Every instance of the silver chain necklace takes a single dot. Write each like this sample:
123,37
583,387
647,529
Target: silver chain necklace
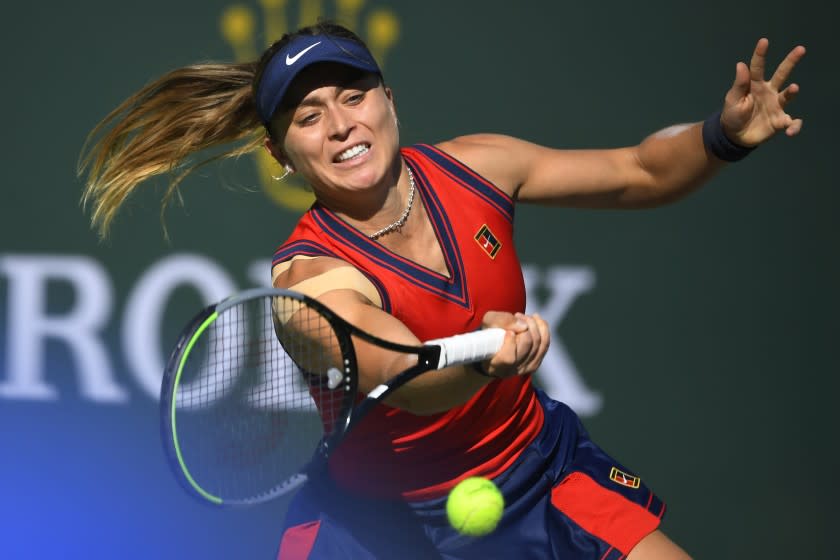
401,220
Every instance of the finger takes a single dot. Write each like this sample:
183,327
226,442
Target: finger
523,341
782,122
534,348
503,320
545,339
741,84
788,94
539,335
794,127
758,59
502,364
542,326
782,73
524,346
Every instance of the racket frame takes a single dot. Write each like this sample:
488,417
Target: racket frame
350,412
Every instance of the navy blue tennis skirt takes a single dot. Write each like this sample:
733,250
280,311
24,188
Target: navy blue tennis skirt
564,498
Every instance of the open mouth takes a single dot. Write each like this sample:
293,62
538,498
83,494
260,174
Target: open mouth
352,152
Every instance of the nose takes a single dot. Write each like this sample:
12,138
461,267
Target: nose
340,124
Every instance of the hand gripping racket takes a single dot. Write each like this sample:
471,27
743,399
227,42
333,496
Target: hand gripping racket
261,387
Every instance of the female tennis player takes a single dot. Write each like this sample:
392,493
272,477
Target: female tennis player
415,243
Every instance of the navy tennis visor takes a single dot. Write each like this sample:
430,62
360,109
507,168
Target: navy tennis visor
300,53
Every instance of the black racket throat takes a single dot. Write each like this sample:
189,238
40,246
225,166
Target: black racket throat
428,357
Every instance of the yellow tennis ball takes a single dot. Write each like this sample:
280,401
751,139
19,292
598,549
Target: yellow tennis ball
474,507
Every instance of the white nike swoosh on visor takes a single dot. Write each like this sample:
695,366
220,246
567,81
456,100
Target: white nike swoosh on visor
292,59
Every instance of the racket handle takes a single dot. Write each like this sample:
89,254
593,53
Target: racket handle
467,348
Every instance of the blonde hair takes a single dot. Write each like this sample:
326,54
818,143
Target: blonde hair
159,128
156,130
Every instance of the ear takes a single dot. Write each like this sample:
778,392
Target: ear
278,154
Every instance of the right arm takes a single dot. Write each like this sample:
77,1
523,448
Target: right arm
522,351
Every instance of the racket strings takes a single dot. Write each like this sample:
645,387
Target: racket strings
312,344
247,417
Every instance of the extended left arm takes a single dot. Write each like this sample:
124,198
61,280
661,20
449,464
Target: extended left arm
665,166
753,112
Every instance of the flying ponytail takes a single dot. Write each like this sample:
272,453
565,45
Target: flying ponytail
159,128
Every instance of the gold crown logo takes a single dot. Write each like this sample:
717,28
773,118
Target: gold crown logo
239,28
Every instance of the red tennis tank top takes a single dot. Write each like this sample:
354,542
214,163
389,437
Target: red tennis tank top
395,454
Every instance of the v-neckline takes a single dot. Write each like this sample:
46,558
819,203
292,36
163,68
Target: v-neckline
452,287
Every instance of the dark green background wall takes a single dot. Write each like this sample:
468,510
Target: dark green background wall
708,332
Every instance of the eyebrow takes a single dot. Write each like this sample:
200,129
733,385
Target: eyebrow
310,102
316,101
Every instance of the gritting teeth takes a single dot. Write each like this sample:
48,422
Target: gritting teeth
352,152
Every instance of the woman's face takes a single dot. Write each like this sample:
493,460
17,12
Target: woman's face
341,131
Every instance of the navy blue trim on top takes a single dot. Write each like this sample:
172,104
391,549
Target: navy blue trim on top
309,248
452,288
301,247
443,230
469,179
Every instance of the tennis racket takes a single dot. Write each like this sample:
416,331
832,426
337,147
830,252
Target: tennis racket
262,387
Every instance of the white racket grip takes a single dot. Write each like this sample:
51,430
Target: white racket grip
467,348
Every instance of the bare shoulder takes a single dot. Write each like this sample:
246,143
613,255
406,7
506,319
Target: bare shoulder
318,277
477,150
287,274
502,160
